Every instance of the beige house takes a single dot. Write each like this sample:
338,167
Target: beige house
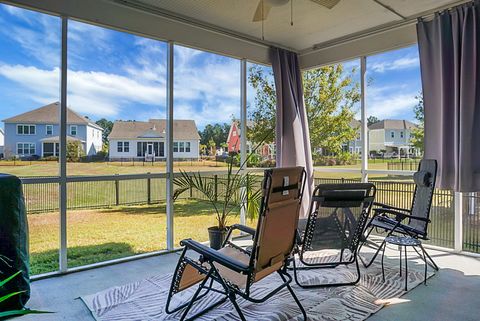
147,140
392,136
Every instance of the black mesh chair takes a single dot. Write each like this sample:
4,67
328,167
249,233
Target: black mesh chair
336,222
411,222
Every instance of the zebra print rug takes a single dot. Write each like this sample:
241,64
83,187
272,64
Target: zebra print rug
145,300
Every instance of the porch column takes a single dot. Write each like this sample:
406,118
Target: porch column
169,152
364,128
243,134
63,150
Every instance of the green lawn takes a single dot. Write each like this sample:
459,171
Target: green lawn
105,234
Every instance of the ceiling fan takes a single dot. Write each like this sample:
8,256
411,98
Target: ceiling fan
264,7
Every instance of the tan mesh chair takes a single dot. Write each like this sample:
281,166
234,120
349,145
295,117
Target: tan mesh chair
232,270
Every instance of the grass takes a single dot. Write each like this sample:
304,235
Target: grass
105,234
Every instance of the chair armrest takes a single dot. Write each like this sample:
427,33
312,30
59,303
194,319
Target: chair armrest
399,216
243,228
212,255
391,207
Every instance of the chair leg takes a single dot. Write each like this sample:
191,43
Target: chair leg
383,256
400,260
406,269
302,309
374,256
233,299
194,297
432,262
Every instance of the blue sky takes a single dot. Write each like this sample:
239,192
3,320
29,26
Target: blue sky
121,76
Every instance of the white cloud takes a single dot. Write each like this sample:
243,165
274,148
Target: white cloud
390,102
397,64
90,93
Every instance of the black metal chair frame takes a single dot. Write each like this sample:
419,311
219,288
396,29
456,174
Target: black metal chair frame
210,256
394,225
350,242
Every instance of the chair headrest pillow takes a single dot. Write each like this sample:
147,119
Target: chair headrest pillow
422,178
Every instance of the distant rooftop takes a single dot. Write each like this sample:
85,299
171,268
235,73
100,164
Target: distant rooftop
154,128
392,124
49,114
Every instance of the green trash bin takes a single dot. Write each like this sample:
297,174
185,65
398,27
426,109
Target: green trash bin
13,242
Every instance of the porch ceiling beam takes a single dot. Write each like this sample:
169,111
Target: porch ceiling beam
122,16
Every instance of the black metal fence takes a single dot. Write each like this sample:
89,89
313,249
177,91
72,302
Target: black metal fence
405,165
97,193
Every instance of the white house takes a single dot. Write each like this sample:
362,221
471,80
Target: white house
355,146
147,140
36,133
392,136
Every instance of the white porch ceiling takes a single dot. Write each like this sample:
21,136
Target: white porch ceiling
351,29
313,24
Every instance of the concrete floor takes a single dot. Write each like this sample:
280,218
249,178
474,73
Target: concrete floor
453,294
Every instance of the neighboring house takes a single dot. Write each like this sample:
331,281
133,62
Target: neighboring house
392,136
267,151
147,140
36,133
2,142
355,146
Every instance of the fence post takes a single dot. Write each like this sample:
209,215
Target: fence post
117,192
458,225
191,192
149,189
215,181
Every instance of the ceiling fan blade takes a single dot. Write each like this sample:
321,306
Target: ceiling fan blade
262,14
327,3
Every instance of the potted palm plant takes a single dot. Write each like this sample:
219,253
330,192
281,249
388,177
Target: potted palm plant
224,194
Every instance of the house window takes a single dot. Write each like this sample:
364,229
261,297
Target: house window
181,148
26,149
392,134
187,147
26,129
49,129
123,147
73,130
401,134
175,147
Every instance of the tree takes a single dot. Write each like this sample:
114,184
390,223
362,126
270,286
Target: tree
217,132
107,126
372,120
417,135
74,151
330,96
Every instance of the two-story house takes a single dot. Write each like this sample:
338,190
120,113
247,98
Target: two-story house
146,140
355,146
391,136
36,133
2,142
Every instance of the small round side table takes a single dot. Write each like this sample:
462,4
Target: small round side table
404,241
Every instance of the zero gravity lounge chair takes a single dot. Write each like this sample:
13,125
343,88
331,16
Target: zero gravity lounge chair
411,222
337,218
232,271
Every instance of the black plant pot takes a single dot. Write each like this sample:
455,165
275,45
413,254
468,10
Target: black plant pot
217,237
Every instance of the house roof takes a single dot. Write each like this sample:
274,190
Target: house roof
392,124
154,128
49,114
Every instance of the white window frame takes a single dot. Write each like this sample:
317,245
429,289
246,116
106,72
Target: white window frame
175,147
71,130
119,147
181,147
29,126
188,147
29,149
392,134
47,127
402,135
126,147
